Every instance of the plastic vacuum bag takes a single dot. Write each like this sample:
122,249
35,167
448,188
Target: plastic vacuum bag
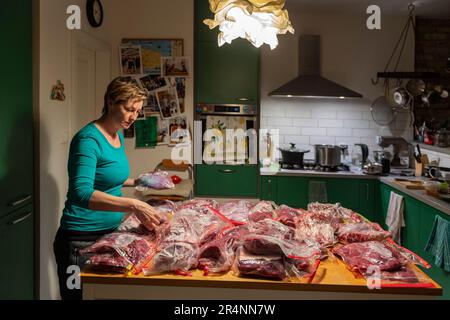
154,180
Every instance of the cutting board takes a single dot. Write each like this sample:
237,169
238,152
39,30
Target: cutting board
410,184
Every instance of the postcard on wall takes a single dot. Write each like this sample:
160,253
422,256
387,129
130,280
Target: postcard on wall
175,66
168,102
180,84
130,60
162,130
154,49
151,108
178,130
152,82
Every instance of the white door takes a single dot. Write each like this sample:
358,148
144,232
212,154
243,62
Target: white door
91,61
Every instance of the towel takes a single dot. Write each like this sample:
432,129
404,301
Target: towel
438,244
394,218
318,191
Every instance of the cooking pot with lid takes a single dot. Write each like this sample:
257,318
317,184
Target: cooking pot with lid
328,155
292,155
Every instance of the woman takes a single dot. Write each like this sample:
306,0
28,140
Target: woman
98,168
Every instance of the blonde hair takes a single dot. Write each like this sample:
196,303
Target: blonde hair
122,90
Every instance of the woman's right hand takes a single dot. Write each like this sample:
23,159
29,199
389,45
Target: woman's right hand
148,215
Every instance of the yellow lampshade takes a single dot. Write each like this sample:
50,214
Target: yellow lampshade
258,21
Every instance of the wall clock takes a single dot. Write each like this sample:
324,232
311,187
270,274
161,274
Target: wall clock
94,11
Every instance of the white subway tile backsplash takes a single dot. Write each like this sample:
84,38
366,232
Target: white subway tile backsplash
349,115
365,132
324,114
288,130
299,112
350,141
326,123
356,124
305,122
285,122
342,132
367,115
273,112
322,140
296,139
314,131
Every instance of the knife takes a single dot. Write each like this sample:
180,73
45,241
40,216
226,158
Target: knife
418,150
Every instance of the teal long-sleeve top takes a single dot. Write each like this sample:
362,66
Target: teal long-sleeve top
94,164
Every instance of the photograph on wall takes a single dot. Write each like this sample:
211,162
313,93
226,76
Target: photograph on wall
180,84
168,102
152,107
175,66
162,130
178,130
130,60
152,82
153,49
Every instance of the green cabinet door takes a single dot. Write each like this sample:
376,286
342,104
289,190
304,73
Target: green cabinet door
268,188
368,195
344,191
226,180
227,74
411,216
16,133
292,191
16,247
202,31
385,193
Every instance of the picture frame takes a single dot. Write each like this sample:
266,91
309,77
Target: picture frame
167,98
130,60
175,66
153,49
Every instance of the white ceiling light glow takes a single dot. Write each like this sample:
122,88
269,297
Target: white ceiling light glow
258,21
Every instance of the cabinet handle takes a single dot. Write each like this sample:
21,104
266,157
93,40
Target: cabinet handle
227,170
18,202
242,99
26,216
269,191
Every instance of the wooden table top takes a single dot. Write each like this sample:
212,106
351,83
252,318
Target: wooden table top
331,276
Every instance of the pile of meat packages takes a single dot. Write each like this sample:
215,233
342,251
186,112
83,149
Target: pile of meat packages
256,240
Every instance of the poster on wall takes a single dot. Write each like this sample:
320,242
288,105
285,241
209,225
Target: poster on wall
130,60
152,51
175,66
146,133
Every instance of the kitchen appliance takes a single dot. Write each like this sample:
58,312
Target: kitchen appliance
309,83
400,158
360,155
373,168
232,134
310,165
328,155
292,155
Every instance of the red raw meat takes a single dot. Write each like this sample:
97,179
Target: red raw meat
286,215
262,210
272,228
172,257
236,210
361,255
260,266
360,232
308,228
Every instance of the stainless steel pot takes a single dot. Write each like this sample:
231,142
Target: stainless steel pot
328,155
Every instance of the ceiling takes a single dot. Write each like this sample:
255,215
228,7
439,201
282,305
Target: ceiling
429,8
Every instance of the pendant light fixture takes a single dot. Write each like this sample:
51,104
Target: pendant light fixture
258,21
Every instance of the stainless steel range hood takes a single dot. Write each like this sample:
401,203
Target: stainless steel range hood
309,83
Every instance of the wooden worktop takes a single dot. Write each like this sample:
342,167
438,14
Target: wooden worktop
331,276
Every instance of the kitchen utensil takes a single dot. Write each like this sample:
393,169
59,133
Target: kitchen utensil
441,138
418,150
373,168
410,184
382,112
364,152
415,87
329,155
439,173
401,97
293,155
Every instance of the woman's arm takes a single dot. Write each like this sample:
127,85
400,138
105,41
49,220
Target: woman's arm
130,182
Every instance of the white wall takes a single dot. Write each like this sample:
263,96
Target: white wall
133,18
350,55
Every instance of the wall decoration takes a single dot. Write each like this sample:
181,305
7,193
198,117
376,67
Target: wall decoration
180,84
178,130
162,131
130,60
152,82
58,91
152,51
175,66
146,133
168,102
152,107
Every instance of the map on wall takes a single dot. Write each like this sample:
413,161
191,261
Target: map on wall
153,49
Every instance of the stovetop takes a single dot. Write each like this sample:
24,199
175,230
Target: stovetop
310,165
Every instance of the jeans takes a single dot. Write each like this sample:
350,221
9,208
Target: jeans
66,247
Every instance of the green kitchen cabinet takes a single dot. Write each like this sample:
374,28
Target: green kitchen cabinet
16,152
368,198
227,74
16,247
226,180
268,188
292,191
202,31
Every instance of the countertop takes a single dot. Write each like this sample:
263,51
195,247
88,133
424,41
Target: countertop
332,275
420,195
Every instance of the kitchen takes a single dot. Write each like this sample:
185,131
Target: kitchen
350,55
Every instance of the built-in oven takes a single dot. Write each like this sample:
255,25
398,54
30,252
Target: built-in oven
226,134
